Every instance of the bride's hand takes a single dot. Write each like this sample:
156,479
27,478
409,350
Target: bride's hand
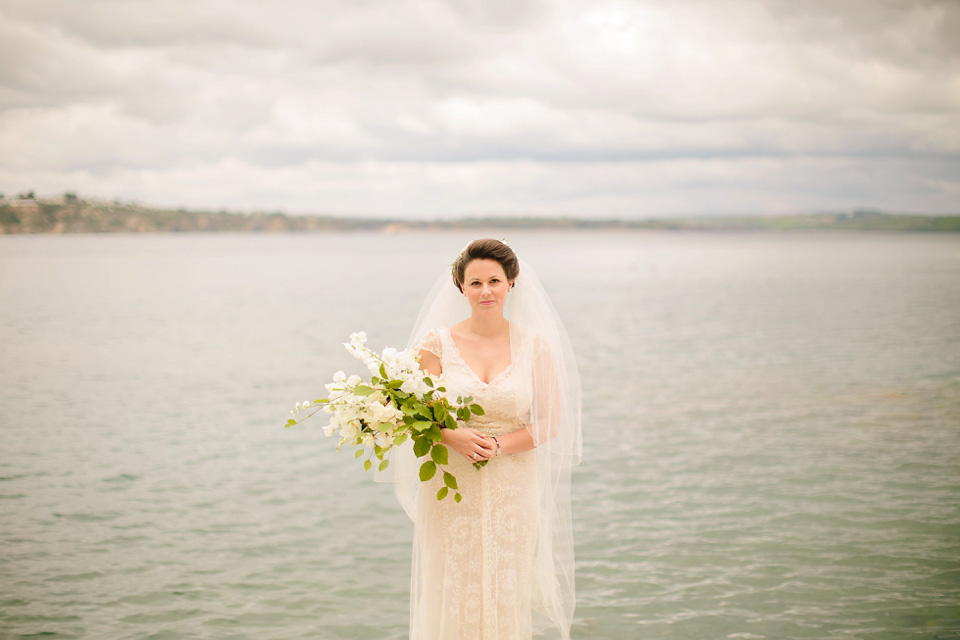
470,444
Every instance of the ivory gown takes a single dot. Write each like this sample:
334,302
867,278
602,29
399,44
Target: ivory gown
473,561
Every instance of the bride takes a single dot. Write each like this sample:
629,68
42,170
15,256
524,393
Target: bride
499,564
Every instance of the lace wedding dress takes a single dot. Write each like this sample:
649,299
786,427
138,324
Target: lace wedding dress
500,564
474,560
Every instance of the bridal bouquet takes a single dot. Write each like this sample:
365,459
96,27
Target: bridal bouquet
398,401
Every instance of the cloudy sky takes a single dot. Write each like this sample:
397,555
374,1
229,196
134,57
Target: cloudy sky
438,108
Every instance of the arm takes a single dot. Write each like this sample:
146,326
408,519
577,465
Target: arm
430,362
547,398
516,442
546,404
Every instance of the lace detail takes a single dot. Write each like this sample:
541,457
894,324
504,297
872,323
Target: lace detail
475,559
431,343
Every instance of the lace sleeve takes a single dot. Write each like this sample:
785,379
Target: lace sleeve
431,343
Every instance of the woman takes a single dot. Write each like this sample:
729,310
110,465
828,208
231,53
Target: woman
499,564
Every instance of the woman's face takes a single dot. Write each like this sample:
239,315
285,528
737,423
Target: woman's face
486,286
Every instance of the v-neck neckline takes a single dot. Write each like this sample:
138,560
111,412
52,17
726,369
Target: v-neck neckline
456,351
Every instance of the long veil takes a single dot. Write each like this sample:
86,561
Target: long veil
537,336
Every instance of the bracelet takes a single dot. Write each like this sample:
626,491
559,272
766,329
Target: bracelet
494,438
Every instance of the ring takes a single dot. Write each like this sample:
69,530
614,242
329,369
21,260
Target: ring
474,456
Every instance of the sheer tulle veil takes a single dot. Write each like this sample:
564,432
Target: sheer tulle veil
537,336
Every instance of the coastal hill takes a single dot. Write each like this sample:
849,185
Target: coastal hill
71,214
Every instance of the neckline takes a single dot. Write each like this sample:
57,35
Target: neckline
456,352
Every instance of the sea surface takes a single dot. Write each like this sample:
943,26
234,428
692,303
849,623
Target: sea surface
771,433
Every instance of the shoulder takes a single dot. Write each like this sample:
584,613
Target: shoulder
432,341
528,342
455,330
525,335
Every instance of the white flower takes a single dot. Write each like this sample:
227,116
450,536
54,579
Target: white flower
385,413
350,430
408,360
462,251
339,382
358,339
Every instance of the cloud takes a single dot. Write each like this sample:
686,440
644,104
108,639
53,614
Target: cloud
619,107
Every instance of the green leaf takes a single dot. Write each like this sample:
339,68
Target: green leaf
362,390
477,409
421,447
395,384
399,439
383,465
290,422
427,470
427,381
442,493
420,425
321,401
457,498
434,433
366,465
448,480
449,421
383,370
439,454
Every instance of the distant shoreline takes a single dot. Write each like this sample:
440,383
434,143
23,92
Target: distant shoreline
69,214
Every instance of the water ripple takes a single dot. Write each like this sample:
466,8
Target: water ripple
771,444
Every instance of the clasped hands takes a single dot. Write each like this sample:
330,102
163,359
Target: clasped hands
470,444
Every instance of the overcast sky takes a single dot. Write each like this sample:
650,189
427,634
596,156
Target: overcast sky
624,108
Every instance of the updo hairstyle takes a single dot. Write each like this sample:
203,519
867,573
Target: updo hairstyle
486,249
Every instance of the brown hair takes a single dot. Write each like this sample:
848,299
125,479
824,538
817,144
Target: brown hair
486,249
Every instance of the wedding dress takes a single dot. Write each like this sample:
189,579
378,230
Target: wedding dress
498,565
474,572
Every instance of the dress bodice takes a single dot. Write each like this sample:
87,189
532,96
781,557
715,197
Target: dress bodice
506,399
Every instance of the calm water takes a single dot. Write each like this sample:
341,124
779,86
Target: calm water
772,434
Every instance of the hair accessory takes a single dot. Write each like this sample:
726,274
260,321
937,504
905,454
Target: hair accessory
462,251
